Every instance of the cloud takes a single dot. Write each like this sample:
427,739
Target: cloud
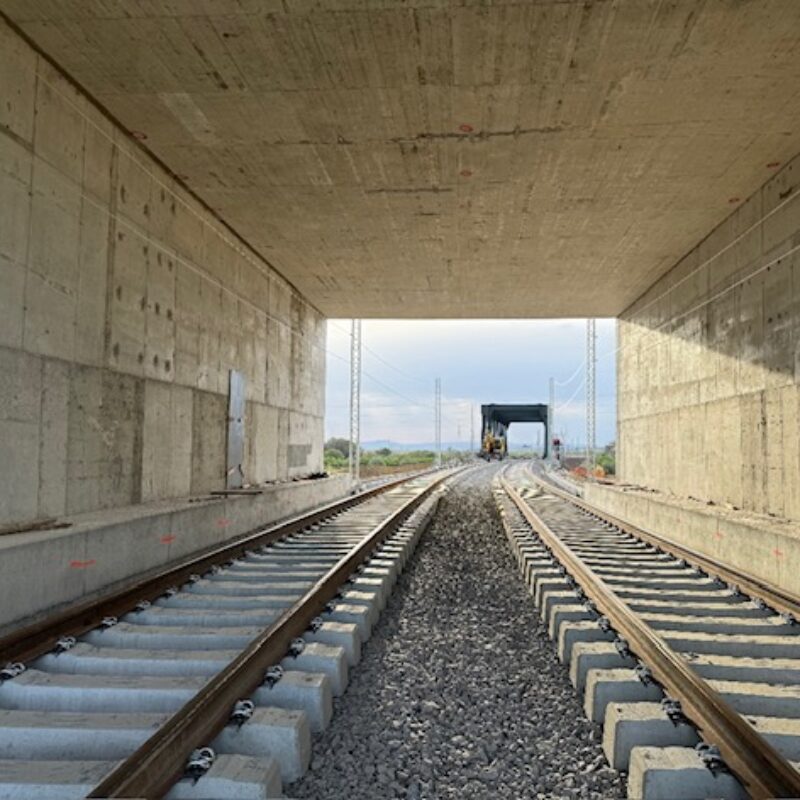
479,361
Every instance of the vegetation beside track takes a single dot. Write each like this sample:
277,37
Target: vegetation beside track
383,461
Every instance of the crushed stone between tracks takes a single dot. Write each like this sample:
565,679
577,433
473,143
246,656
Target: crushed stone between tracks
460,693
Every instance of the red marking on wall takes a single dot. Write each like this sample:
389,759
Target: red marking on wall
223,522
170,537
773,164
83,564
777,553
466,173
466,128
140,135
718,535
733,199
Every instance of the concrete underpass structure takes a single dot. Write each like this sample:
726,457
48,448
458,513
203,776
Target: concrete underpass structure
189,188
125,303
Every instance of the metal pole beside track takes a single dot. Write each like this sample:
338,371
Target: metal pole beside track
437,414
591,363
354,455
550,432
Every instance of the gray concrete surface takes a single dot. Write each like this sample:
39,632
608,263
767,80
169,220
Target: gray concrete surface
50,780
637,724
283,734
392,159
125,304
309,692
709,374
606,686
242,777
677,773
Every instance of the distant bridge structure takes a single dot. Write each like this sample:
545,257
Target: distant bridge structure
496,419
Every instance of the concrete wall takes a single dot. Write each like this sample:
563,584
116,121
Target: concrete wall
709,363
123,305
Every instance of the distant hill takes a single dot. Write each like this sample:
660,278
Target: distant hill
403,447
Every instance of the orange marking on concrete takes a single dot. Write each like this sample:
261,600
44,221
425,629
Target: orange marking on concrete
83,564
777,553
170,537
223,522
718,535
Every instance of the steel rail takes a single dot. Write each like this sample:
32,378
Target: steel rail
756,587
160,761
38,638
763,771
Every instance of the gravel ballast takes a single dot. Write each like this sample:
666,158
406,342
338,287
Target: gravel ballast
460,692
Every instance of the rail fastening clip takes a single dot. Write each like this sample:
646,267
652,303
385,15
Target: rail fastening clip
65,643
273,675
711,757
674,710
242,711
643,674
11,670
200,762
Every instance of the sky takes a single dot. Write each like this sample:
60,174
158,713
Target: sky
478,361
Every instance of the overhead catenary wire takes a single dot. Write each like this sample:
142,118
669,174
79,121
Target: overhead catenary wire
571,377
460,403
380,358
385,386
394,391
380,383
592,397
578,388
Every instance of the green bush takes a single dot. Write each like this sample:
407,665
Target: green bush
607,462
342,446
336,456
334,459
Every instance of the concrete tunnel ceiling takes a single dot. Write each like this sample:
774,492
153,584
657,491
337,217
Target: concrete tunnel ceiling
435,159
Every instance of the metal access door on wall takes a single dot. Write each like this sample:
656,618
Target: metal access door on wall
236,406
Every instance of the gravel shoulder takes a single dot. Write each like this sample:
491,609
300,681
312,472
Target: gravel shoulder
459,693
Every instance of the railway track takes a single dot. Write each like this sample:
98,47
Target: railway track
206,681
693,669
